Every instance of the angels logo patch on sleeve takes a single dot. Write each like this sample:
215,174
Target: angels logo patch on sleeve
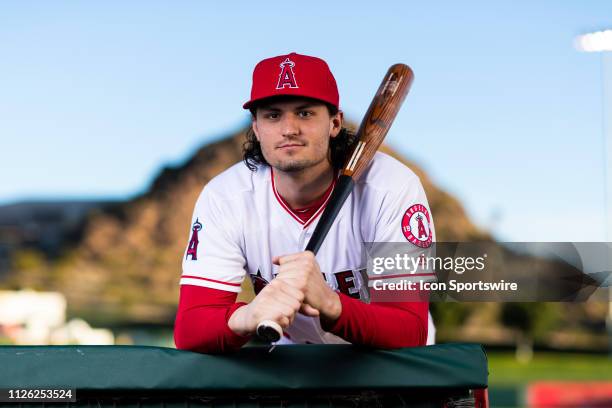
416,226
192,248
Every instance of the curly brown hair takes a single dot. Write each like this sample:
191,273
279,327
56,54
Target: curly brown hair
339,146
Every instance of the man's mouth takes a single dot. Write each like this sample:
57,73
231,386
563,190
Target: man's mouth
290,145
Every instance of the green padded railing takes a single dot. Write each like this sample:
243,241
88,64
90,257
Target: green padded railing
299,367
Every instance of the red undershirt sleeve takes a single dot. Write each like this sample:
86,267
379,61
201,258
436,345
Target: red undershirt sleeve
201,320
381,324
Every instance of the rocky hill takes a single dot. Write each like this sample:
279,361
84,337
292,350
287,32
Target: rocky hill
127,263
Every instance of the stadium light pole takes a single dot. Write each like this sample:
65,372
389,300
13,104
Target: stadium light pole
601,42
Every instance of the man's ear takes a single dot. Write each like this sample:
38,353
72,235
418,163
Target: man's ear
254,127
335,124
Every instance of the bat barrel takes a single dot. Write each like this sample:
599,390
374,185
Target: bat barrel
378,119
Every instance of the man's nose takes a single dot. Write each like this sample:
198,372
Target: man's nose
289,125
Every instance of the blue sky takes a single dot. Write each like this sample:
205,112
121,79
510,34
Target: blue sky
504,113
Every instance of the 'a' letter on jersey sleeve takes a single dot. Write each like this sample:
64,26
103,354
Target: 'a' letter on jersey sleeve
213,257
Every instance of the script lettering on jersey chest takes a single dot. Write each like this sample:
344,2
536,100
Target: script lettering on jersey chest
346,282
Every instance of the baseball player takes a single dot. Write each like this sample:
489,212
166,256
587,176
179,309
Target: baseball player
254,221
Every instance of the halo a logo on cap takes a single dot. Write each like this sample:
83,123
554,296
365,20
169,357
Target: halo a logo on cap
286,78
416,226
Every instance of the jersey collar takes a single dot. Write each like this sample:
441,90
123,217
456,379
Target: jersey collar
316,208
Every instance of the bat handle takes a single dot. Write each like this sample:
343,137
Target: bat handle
269,331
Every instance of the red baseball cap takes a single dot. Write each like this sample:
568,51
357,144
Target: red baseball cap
296,75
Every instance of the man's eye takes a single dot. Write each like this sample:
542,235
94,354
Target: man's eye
271,115
305,114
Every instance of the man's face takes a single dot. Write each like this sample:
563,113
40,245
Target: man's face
294,133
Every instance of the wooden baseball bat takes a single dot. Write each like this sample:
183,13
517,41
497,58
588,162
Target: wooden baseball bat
372,131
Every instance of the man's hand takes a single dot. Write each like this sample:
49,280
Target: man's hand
299,286
301,271
278,301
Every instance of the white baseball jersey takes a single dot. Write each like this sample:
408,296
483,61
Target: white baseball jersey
240,223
